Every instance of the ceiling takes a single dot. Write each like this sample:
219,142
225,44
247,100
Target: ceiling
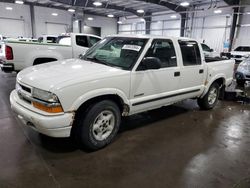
117,7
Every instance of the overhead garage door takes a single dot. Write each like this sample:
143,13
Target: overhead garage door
11,27
56,28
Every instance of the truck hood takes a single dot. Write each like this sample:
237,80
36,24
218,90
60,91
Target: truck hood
64,73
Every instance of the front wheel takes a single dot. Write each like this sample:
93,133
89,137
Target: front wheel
210,100
98,126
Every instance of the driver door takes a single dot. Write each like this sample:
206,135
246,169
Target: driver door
153,88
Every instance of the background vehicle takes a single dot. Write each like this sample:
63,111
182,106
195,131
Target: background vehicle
119,76
209,52
240,53
19,55
47,39
243,72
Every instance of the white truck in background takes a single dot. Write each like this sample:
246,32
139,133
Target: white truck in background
209,52
18,55
120,76
240,53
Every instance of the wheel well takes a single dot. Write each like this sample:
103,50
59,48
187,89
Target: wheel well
220,81
115,98
43,60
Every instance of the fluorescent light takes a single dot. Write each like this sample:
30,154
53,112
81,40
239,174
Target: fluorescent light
173,16
248,12
54,14
90,18
142,20
8,8
71,10
218,11
110,15
140,11
185,4
97,3
119,22
19,2
76,21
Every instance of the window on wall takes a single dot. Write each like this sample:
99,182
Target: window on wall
82,41
190,53
164,50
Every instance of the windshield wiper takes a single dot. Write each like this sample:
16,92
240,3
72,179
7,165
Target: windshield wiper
94,59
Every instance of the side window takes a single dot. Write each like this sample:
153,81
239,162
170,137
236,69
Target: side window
40,39
82,41
164,50
93,40
51,40
190,53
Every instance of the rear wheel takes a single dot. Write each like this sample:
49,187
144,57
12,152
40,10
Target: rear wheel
98,125
210,100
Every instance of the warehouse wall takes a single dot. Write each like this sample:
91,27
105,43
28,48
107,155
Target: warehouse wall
18,21
213,29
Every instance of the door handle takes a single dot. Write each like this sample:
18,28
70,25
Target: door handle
177,74
201,71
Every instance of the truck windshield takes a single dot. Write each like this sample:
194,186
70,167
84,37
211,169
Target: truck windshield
121,52
243,49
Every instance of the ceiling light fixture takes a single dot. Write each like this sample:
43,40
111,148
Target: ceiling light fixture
19,2
173,16
71,10
140,11
110,15
218,11
54,14
90,18
97,3
185,4
8,8
119,22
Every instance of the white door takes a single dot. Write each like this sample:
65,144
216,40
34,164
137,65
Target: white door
12,28
153,88
192,72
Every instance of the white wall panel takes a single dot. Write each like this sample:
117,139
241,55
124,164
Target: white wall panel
55,28
12,28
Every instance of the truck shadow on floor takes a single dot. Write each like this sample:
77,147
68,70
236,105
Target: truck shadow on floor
64,145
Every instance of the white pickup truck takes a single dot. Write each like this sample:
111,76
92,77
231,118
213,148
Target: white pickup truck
19,55
240,53
120,76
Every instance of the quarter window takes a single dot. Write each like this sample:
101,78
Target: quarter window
164,50
190,53
93,40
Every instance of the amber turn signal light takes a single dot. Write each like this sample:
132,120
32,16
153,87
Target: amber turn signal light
52,109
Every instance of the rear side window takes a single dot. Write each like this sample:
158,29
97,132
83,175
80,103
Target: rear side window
93,40
164,50
51,39
190,53
82,41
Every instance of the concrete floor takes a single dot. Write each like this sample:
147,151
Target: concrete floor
176,146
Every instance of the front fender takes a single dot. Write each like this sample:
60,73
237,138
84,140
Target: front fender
97,93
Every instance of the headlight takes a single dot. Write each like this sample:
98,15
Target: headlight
44,95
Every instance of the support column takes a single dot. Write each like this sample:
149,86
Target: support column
148,20
183,24
233,27
32,18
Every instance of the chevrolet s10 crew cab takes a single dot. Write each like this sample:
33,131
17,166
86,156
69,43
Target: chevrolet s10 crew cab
119,76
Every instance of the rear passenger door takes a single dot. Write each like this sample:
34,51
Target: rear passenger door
153,88
192,70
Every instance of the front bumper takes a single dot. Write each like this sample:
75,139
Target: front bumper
54,126
242,76
7,67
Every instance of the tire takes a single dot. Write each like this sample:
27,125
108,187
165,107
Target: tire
240,82
97,126
210,100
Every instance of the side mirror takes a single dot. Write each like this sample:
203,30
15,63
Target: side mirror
211,50
81,56
150,63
